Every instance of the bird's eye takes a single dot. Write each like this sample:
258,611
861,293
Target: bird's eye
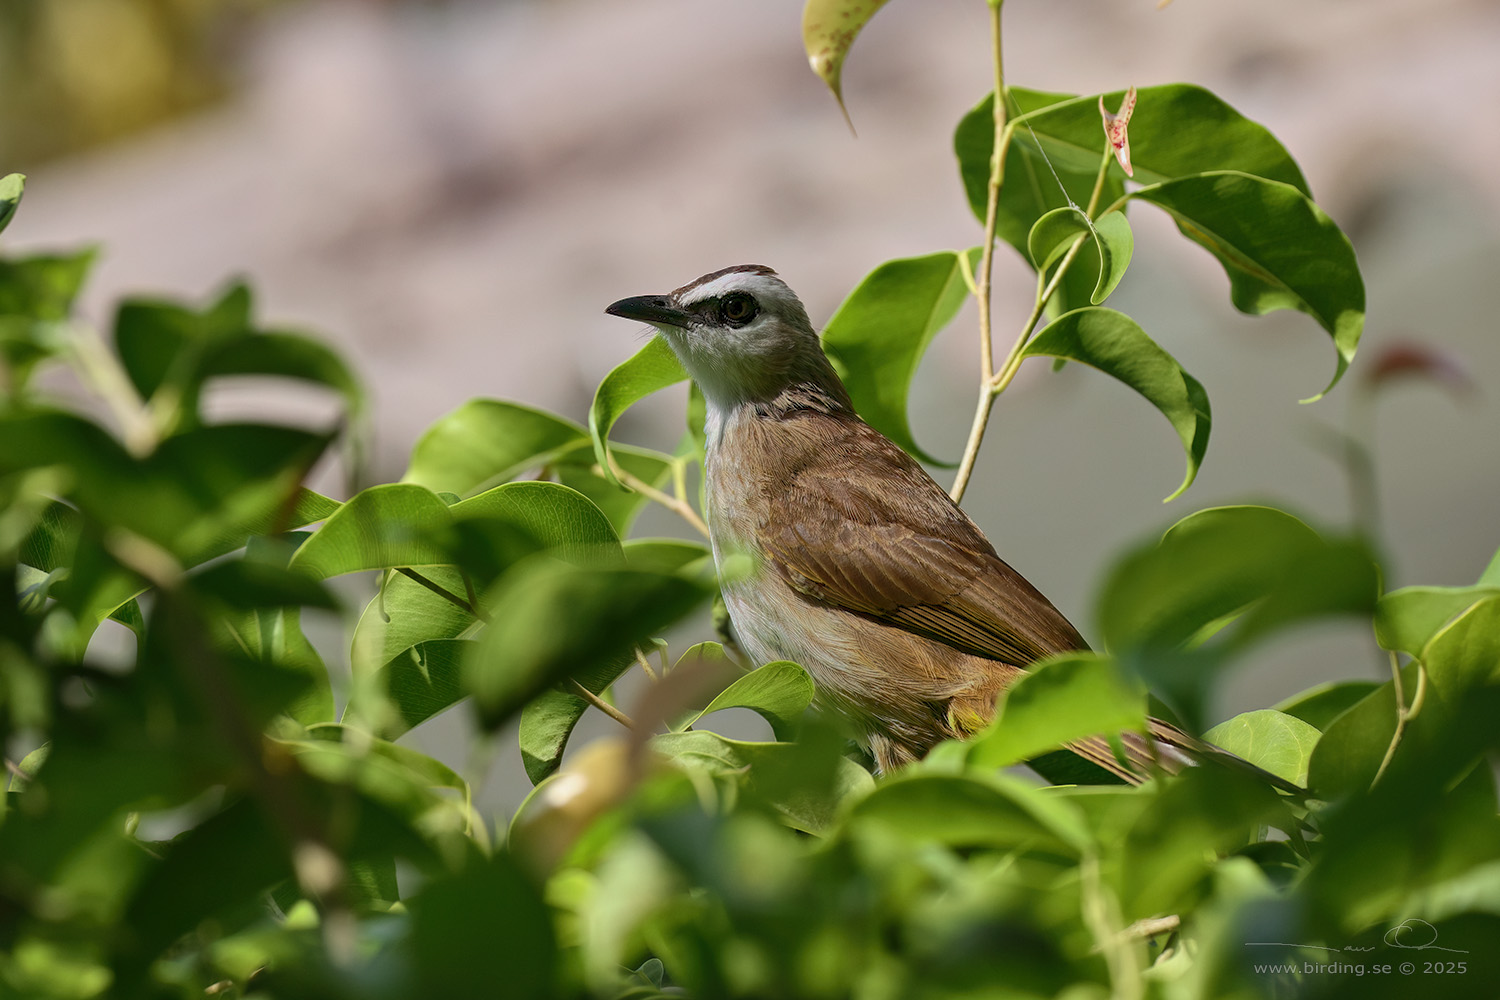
738,309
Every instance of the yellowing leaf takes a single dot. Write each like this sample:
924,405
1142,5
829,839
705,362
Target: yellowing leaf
829,28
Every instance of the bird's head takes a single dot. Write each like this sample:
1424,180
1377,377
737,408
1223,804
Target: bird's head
741,333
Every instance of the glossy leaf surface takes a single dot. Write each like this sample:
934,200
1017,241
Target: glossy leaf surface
1112,342
878,336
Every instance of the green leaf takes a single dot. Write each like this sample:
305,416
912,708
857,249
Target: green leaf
290,355
1465,654
651,369
1491,575
829,28
576,469
1177,129
36,298
806,785
422,681
555,620
1195,819
510,521
1319,706
664,555
192,883
879,334
1348,756
242,479
1112,342
1030,189
1212,563
1407,619
547,723
1257,565
170,352
1273,741
29,765
53,538
261,602
564,521
200,494
11,187
550,517
971,811
163,344
397,775
485,442
251,583
1279,250
42,288
1055,232
484,931
1024,199
378,528
403,614
779,692
1340,577
1431,816
1061,699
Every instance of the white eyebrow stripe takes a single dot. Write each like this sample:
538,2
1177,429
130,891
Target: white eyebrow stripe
739,281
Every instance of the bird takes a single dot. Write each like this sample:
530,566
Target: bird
864,571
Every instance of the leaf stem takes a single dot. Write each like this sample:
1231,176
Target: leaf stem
640,657
679,479
1047,288
601,704
1152,927
645,489
102,369
1101,915
1098,191
982,288
1404,713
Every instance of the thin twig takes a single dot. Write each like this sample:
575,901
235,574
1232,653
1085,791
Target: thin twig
645,489
679,479
1044,295
1152,927
640,657
976,438
1101,915
601,704
1047,288
101,368
982,290
1404,713
992,199
442,592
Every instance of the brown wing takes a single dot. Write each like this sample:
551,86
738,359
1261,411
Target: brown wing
890,545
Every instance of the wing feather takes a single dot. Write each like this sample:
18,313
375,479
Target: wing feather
890,544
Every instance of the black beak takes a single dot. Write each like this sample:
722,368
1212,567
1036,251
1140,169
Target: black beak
653,309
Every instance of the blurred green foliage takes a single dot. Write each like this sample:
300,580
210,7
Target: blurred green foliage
205,812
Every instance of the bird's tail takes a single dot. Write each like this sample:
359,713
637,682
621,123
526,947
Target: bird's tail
1135,757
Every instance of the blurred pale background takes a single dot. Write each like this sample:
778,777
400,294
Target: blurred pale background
452,191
